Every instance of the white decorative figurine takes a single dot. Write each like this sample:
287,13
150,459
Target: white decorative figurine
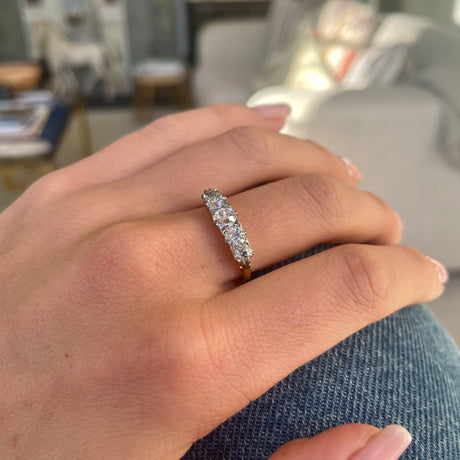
63,56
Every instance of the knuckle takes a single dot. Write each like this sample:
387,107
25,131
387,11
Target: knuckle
385,208
212,341
168,124
251,144
413,255
112,257
318,195
364,282
320,148
126,258
388,218
175,128
223,347
227,113
193,349
219,340
47,188
321,152
191,353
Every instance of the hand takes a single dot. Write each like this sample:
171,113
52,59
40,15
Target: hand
124,330
348,442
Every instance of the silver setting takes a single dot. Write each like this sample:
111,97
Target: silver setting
226,220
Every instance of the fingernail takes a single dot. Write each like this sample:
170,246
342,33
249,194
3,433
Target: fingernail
273,111
389,444
443,274
353,171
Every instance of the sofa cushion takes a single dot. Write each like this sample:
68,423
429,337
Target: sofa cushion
307,70
378,67
343,28
283,17
325,50
443,82
280,41
346,21
400,28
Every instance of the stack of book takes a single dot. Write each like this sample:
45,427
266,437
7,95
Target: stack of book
22,121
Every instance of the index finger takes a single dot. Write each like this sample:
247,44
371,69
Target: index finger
165,136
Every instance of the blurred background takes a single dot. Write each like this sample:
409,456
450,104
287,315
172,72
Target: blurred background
377,81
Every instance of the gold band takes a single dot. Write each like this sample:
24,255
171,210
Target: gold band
246,273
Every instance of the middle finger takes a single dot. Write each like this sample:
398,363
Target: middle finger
234,161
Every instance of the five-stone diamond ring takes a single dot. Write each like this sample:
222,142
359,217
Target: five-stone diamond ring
227,222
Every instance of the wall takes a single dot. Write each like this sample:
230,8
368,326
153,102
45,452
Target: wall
390,5
151,25
153,28
457,12
12,43
439,10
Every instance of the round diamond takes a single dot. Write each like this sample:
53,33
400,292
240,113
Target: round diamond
233,231
242,248
247,251
214,199
224,215
211,195
237,244
226,219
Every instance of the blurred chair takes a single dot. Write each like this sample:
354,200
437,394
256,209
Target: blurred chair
159,73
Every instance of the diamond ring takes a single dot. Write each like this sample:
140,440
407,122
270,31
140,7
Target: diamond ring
227,222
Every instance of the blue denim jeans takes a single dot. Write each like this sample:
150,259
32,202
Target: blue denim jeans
404,369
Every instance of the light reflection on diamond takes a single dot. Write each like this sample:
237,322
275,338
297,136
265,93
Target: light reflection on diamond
226,220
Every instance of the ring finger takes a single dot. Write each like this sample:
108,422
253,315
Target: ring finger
284,218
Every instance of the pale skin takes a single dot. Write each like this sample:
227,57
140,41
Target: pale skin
125,332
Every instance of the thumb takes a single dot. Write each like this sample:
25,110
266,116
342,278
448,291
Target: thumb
348,442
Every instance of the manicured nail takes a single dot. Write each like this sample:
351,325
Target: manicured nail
353,171
273,111
443,274
389,444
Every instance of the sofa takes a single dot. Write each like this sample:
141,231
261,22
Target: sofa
404,136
